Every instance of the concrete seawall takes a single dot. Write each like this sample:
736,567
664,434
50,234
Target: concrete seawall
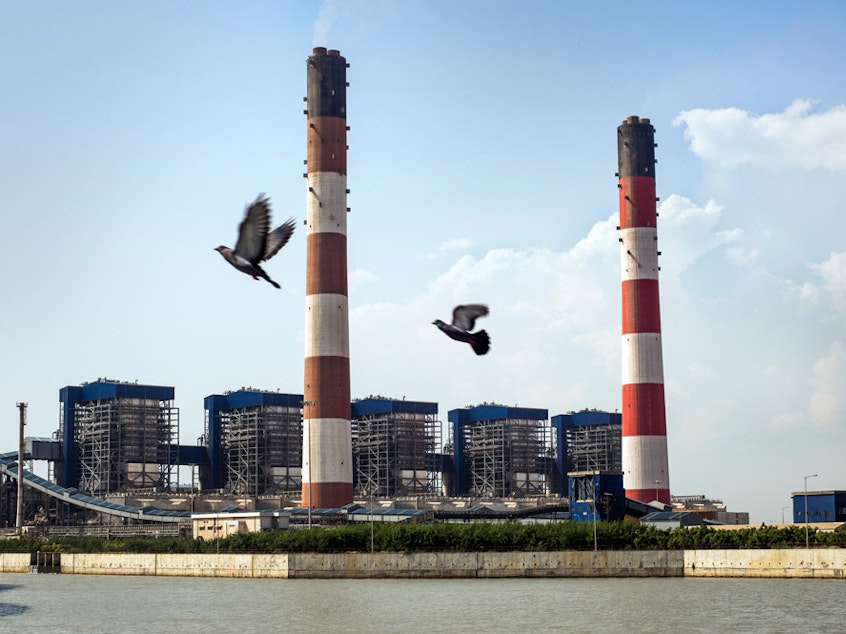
828,563
776,563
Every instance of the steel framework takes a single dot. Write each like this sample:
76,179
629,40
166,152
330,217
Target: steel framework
595,448
262,448
506,457
125,443
394,454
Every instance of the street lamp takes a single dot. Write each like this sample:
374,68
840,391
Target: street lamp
783,509
806,507
308,405
593,498
371,519
21,447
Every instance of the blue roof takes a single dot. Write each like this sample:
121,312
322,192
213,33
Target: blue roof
251,398
496,412
370,406
113,389
586,418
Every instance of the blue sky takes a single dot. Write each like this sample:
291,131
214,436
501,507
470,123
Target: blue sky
481,169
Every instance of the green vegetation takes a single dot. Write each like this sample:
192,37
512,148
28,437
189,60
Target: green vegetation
471,537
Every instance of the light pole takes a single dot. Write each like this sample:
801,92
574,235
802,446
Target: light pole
657,484
806,507
371,519
783,509
21,448
593,497
308,405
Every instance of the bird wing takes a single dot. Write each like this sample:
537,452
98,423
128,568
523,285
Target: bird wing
278,238
464,316
252,232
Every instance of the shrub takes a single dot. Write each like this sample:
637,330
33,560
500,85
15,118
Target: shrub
467,537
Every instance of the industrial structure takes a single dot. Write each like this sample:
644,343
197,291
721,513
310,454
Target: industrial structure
645,464
589,440
819,506
319,449
709,509
257,439
395,447
500,463
589,458
123,438
501,451
327,439
118,436
219,525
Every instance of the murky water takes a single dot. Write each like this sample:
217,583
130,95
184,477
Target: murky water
82,603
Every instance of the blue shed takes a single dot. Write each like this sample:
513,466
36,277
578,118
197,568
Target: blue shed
823,506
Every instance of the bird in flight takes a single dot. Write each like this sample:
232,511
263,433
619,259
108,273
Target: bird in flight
463,319
256,242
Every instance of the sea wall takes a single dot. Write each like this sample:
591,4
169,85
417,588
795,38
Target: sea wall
14,562
371,565
785,563
489,564
775,563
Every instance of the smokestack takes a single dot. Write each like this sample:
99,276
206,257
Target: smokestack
645,468
327,441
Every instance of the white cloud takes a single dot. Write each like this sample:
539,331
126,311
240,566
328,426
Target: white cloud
826,406
833,274
794,138
829,293
360,277
690,229
555,318
549,310
452,245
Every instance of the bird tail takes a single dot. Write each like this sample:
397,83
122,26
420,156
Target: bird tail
480,343
260,271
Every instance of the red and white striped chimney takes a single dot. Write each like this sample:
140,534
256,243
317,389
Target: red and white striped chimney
645,466
327,440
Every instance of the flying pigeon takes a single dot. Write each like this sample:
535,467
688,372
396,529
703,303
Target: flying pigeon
255,244
463,319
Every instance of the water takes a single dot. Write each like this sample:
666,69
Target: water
106,604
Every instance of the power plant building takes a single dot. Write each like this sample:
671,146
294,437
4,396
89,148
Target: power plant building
257,441
120,439
395,447
589,441
588,454
501,451
327,437
118,436
645,464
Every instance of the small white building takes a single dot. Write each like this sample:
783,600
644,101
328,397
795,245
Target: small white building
217,525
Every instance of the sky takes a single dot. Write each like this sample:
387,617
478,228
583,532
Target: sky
481,168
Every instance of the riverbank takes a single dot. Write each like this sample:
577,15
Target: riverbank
761,563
